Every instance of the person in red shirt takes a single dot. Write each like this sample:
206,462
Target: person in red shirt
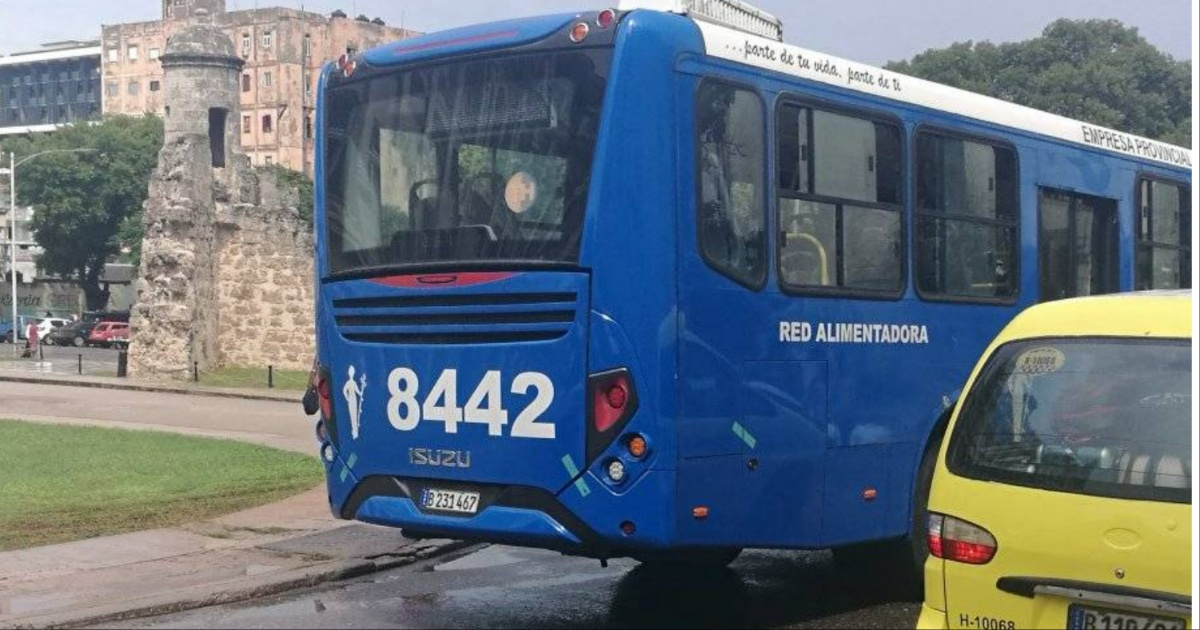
31,340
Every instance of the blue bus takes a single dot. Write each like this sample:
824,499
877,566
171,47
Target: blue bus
649,282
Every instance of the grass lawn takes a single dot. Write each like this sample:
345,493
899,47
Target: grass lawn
235,376
62,483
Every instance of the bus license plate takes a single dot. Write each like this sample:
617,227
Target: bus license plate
450,501
1088,617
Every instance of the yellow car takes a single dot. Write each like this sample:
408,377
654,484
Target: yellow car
1062,494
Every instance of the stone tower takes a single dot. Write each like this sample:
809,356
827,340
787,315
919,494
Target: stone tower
201,70
181,9
175,318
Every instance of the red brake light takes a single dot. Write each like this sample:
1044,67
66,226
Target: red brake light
960,541
617,395
326,399
934,536
612,401
606,18
609,403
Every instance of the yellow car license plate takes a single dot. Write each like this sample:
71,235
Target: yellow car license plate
1081,617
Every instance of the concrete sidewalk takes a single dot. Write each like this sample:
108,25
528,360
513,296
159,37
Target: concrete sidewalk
271,549
177,387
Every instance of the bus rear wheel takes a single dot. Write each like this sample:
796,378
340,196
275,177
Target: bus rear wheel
689,558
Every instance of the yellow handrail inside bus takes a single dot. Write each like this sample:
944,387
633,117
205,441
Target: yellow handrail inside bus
812,240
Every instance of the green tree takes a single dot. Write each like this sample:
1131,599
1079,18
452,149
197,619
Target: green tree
1100,71
88,206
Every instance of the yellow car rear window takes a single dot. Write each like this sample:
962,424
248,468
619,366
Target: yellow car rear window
1105,417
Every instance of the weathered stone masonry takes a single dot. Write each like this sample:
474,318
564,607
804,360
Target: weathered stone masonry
265,281
227,262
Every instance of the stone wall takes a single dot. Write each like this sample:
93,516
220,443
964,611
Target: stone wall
265,281
173,324
227,271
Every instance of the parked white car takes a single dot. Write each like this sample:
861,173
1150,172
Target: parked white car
47,324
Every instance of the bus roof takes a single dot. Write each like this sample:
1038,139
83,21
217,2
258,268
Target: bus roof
741,39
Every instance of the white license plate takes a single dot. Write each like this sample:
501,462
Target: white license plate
450,501
1103,619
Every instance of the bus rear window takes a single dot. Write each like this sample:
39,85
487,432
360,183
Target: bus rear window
1103,417
467,162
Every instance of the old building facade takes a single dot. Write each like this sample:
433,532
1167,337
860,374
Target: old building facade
283,51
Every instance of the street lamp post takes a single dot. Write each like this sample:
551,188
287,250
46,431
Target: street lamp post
12,242
12,222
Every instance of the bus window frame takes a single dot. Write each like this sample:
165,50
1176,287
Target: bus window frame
1018,213
697,184
862,113
1075,196
1186,188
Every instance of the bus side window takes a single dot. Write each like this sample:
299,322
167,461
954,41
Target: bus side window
966,223
1164,236
730,175
839,193
1077,244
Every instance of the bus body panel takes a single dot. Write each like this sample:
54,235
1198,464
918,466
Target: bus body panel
879,396
400,395
630,226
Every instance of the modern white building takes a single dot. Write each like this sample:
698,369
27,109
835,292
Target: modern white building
55,85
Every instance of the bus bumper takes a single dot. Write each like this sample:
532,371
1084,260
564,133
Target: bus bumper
575,522
519,526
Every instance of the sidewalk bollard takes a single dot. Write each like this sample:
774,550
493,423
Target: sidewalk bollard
195,371
81,365
270,377
122,363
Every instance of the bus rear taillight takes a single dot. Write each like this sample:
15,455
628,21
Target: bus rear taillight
612,402
610,399
322,387
606,18
960,541
326,399
616,396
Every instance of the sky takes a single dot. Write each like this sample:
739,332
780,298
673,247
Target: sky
868,31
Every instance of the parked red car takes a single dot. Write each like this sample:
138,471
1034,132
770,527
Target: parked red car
109,334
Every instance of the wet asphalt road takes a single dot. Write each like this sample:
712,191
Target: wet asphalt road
505,587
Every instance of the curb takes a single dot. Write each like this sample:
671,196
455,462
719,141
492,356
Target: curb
292,397
233,591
